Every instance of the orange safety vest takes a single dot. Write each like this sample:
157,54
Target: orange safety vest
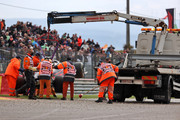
36,61
68,68
45,68
106,71
13,68
28,61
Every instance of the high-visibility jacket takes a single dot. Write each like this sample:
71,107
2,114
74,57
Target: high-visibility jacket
106,71
69,71
45,70
67,67
36,61
28,61
13,68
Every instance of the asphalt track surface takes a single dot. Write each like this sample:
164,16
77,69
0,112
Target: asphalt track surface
87,109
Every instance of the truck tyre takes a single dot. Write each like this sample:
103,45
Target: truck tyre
138,94
118,94
168,89
58,84
157,101
79,70
139,98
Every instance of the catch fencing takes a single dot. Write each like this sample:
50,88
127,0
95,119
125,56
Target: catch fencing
89,60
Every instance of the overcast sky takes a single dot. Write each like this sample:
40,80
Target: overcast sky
102,33
150,8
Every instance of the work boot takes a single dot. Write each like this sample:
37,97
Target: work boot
99,100
63,98
17,94
110,102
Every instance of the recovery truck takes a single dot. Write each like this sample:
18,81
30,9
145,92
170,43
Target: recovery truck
154,71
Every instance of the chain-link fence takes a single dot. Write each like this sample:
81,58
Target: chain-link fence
89,60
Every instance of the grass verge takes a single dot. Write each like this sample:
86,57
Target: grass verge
58,96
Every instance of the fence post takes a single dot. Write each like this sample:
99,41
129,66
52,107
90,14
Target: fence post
95,64
92,60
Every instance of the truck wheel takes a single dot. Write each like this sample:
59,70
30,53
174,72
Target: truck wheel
157,101
58,84
165,91
121,98
118,93
138,94
139,98
168,89
79,70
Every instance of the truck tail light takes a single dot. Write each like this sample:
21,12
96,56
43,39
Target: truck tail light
149,82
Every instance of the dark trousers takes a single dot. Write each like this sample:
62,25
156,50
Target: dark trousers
30,83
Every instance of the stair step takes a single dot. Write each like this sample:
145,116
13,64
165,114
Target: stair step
84,79
85,83
84,86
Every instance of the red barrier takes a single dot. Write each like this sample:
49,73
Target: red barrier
4,88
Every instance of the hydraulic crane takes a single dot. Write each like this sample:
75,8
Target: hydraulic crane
93,16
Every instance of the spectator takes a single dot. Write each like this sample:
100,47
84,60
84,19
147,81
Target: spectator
85,46
44,31
97,45
79,41
22,35
35,43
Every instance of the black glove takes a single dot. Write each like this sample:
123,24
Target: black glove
21,70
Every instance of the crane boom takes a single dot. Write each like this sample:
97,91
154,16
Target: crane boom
93,16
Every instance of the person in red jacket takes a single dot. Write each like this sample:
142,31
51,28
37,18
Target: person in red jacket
69,76
12,73
45,71
106,75
79,41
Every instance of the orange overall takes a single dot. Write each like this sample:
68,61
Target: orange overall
69,76
12,73
106,75
45,71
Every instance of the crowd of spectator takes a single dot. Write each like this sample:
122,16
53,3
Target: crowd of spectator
22,35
